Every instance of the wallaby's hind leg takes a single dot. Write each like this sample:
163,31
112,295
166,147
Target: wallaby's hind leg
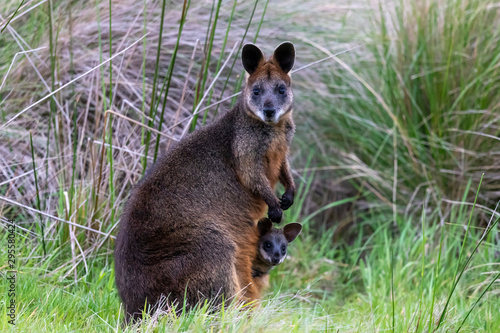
201,267
208,269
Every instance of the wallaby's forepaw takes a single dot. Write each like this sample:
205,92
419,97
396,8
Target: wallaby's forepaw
286,200
275,214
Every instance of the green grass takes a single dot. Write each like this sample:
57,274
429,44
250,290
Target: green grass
320,287
395,156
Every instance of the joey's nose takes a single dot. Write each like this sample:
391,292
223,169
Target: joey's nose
269,112
276,258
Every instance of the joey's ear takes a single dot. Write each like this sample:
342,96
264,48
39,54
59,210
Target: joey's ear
284,56
264,226
291,231
252,57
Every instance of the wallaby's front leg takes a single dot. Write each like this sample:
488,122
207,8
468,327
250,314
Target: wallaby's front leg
253,177
287,180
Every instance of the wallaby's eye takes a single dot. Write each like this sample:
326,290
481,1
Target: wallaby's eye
281,90
267,245
283,249
256,91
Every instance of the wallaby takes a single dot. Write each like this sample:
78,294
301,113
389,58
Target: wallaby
271,249
188,230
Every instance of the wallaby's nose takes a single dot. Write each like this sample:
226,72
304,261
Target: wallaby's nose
269,112
276,261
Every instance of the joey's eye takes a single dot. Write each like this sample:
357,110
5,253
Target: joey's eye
283,248
256,91
267,245
281,90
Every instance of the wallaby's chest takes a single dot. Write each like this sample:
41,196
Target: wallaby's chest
274,158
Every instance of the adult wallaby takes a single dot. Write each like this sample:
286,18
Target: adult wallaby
188,230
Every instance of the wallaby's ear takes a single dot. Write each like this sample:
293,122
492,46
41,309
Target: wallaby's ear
251,57
284,56
264,225
291,231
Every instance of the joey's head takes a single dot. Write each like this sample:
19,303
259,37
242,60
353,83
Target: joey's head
268,91
273,243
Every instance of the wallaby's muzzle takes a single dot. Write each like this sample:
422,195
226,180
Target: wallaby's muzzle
269,114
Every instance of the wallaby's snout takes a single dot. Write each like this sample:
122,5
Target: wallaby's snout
269,113
276,258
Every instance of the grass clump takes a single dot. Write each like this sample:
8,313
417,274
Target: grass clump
429,74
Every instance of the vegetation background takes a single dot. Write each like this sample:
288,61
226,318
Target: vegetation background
396,155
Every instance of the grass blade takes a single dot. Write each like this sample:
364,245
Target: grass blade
496,277
219,62
12,16
152,111
42,229
237,54
168,77
456,280
207,62
436,279
477,301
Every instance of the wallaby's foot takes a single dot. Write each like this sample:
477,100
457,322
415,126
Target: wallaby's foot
275,214
286,200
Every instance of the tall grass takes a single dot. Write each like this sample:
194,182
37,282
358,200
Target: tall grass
420,253
433,66
202,76
168,78
153,108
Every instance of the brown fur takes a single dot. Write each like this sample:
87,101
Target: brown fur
188,230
